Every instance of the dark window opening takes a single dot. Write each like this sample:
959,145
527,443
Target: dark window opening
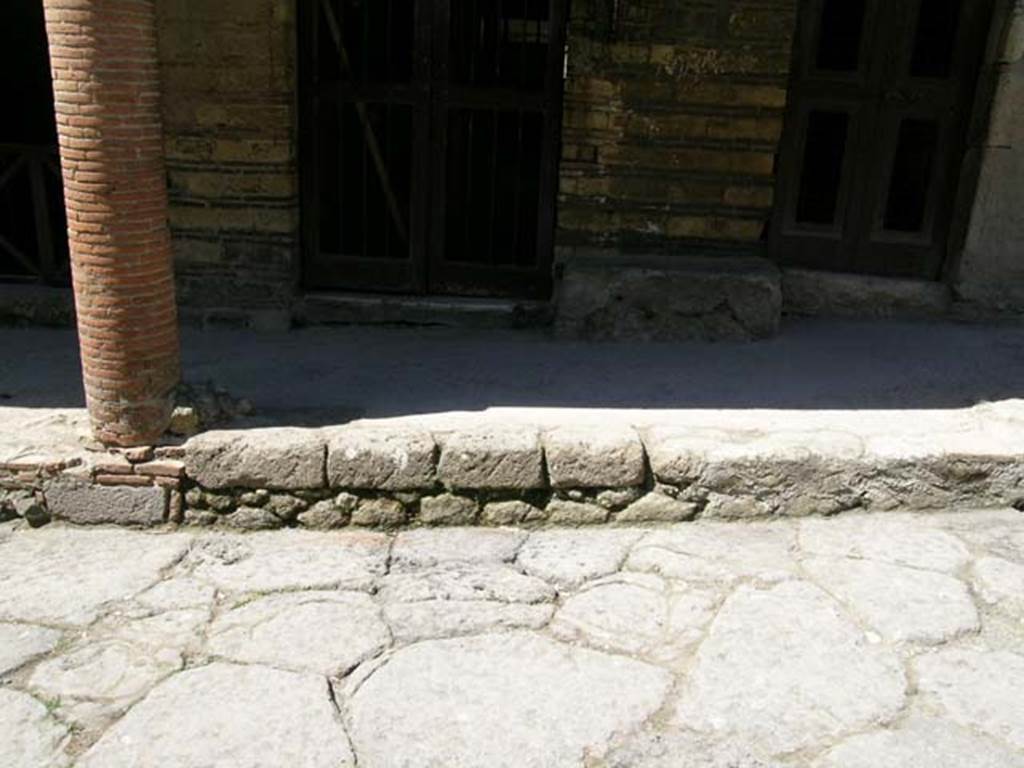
911,175
500,43
935,38
822,168
377,41
839,38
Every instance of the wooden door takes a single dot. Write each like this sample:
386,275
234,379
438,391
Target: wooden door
875,130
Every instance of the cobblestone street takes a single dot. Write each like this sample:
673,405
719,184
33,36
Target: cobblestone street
882,640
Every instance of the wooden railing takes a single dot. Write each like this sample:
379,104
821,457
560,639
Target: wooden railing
33,236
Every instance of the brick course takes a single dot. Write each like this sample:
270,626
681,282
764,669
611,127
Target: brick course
107,96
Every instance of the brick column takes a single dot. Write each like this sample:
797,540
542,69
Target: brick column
103,58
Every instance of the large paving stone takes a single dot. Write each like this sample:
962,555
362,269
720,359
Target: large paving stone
87,504
498,701
29,737
325,632
65,577
228,715
594,457
278,457
1000,583
637,614
920,741
718,553
20,643
426,548
500,457
678,748
570,558
901,604
380,457
899,540
283,560
465,582
784,669
430,619
979,690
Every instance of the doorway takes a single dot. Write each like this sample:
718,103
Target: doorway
429,143
879,103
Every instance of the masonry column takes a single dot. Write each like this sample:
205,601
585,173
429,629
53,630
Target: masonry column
103,58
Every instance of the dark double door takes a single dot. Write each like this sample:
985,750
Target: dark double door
880,99
429,144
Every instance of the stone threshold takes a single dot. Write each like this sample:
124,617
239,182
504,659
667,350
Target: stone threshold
536,467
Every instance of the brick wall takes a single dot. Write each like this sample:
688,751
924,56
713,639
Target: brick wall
228,76
673,112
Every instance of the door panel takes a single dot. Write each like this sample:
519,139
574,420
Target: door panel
903,73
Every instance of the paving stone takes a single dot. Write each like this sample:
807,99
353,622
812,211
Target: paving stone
283,560
657,508
425,548
510,513
431,619
594,457
636,614
920,741
675,748
1001,583
718,553
499,701
87,504
177,593
783,668
465,583
230,715
281,458
997,532
379,513
448,509
901,604
380,458
899,540
979,690
29,737
325,632
566,512
501,457
175,630
567,559
20,643
65,576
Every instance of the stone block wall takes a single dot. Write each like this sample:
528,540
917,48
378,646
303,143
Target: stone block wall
673,114
228,72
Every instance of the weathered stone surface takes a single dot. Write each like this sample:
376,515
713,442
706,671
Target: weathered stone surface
282,560
618,498
20,643
676,748
284,506
897,540
248,715
657,507
29,737
448,509
85,570
670,299
177,594
784,669
510,513
534,703
816,292
979,690
718,553
253,519
901,604
566,512
464,582
594,457
570,558
325,632
431,619
86,504
380,458
920,741
636,614
379,513
1000,582
325,515
279,457
501,457
425,548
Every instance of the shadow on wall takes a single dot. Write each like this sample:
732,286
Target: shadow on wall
333,375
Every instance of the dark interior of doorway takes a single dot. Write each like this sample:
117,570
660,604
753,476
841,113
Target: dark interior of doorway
33,239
